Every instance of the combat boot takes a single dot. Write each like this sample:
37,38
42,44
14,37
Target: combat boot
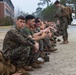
35,65
18,74
28,68
39,62
52,49
22,71
64,42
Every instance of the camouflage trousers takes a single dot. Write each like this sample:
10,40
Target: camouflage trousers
63,28
47,42
44,43
20,55
24,56
41,45
33,56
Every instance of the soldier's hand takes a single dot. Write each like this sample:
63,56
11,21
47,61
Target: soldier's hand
58,22
53,28
43,35
36,46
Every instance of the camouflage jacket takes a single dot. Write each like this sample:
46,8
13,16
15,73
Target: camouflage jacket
59,14
14,39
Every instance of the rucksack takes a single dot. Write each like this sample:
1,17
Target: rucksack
67,12
6,68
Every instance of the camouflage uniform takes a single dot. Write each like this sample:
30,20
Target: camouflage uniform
29,32
43,42
16,46
41,45
63,24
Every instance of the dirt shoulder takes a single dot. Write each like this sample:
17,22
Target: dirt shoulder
2,35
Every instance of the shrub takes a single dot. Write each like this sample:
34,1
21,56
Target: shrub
6,21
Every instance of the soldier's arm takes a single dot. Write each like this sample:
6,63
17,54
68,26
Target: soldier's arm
37,38
20,39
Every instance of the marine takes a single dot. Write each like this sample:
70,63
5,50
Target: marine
63,22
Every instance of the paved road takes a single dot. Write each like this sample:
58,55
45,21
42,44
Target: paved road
72,28
3,30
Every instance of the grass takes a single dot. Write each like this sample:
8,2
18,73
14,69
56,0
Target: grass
4,27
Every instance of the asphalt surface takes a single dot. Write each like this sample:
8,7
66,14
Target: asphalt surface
4,30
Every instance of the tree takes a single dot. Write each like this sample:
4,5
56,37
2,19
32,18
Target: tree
40,4
6,21
38,12
45,2
48,13
18,12
63,2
